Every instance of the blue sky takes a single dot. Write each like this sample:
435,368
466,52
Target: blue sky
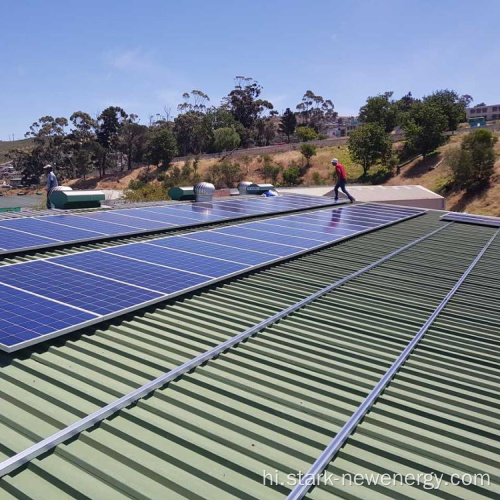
61,56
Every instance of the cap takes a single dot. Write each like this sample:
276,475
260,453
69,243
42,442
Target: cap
47,167
334,161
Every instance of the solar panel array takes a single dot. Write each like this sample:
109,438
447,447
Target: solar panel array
22,234
46,298
472,219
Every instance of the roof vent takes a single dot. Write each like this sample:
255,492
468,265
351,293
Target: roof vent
204,191
242,187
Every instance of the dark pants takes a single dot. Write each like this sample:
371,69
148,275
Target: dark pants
341,184
49,205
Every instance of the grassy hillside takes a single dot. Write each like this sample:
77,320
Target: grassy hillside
251,165
434,173
6,146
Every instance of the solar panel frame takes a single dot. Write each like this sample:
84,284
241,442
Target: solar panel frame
274,260
481,220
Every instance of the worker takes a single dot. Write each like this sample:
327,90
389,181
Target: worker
341,180
51,183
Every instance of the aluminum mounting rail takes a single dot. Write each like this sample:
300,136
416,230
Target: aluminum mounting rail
308,480
11,464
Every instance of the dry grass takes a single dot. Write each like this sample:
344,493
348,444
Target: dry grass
321,163
484,202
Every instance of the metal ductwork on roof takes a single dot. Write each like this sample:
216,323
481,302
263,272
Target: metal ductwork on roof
242,186
204,191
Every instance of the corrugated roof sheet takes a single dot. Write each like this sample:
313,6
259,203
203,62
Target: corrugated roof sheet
276,401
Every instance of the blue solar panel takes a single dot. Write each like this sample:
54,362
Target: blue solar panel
92,293
322,229
244,243
212,250
25,317
95,225
11,240
40,228
126,221
288,229
256,234
105,228
146,215
472,219
158,269
179,260
153,277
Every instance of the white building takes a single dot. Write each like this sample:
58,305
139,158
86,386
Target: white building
489,113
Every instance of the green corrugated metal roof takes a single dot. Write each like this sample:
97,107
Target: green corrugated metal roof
276,401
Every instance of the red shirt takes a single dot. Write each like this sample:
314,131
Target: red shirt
340,170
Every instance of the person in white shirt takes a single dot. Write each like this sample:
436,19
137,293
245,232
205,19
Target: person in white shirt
51,183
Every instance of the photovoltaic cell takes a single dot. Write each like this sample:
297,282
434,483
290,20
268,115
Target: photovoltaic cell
213,250
269,248
160,279
472,219
246,231
25,317
92,293
64,229
40,228
91,286
11,240
179,260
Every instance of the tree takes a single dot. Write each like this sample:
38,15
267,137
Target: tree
225,174
226,139
109,123
193,132
380,110
291,176
244,101
132,140
369,144
315,111
269,171
81,143
306,134
452,106
288,123
162,147
196,101
308,151
424,128
473,163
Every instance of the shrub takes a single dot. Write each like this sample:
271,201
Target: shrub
472,164
306,133
291,176
308,151
317,179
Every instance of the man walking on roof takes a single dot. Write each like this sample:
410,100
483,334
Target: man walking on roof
341,180
51,183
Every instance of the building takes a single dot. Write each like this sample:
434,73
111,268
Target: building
343,126
489,113
406,195
238,426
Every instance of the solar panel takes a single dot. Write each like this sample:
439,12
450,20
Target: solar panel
72,287
149,276
199,264
472,219
25,317
213,250
45,298
12,240
50,231
98,225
